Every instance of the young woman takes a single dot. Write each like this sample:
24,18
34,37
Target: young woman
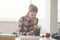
27,22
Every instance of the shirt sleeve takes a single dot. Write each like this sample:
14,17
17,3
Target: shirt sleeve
20,23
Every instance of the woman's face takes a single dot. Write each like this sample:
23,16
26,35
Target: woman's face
32,14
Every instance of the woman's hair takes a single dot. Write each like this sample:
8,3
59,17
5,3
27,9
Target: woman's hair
33,8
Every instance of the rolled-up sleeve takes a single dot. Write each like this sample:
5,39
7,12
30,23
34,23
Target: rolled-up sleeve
20,23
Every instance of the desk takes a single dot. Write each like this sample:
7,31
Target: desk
32,38
28,38
7,38
22,37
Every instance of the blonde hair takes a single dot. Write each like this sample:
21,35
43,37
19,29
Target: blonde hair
33,8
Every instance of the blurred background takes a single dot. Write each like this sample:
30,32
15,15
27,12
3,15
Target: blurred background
12,10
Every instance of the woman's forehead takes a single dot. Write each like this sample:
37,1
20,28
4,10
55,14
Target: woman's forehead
32,12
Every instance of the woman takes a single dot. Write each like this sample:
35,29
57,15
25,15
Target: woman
27,22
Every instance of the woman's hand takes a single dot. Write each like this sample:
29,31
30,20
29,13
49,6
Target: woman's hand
29,33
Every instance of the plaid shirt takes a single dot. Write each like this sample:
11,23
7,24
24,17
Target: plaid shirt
26,24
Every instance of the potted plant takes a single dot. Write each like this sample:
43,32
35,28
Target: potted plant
36,30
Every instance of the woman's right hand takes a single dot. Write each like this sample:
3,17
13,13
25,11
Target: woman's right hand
29,33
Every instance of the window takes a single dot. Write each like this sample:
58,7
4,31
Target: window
58,10
12,10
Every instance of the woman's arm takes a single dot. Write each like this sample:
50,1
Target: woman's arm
20,24
36,21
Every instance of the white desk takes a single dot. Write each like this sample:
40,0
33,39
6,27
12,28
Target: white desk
32,38
29,37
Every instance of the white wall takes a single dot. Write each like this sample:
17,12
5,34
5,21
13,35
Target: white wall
46,22
14,9
8,26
